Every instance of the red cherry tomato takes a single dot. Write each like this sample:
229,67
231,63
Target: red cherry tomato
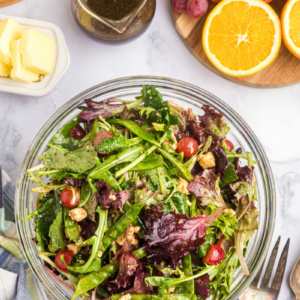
67,255
229,145
77,132
214,256
100,136
188,146
70,196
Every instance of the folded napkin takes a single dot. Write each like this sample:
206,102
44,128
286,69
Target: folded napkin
16,279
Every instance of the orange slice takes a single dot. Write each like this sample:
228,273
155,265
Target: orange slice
290,21
241,37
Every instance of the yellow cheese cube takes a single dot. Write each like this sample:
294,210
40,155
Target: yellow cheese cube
37,51
9,30
4,70
18,71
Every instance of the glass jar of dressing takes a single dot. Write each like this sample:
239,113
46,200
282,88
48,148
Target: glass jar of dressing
113,19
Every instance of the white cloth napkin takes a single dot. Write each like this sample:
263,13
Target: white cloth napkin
8,285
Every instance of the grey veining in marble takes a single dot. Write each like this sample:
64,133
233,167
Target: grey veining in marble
273,114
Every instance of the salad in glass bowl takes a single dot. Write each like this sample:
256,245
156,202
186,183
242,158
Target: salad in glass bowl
142,199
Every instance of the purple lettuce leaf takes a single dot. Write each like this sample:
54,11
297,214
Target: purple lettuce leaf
245,174
236,160
173,236
194,126
110,199
74,182
206,188
128,265
88,228
93,109
140,286
213,123
201,286
222,162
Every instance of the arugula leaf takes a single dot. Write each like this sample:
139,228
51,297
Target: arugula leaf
178,201
147,197
56,234
63,132
78,161
71,227
226,223
153,161
46,217
162,111
116,143
229,176
127,155
223,280
156,178
91,205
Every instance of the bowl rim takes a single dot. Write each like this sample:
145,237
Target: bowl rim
185,88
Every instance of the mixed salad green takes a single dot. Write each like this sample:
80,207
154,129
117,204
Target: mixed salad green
144,200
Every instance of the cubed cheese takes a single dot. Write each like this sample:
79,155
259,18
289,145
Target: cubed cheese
18,71
4,69
10,30
37,51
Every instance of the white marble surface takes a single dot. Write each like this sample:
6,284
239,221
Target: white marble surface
273,114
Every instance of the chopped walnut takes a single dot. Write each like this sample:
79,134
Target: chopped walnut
77,214
121,238
100,253
73,248
128,235
206,160
182,186
130,238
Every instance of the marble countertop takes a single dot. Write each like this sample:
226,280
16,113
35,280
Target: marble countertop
273,114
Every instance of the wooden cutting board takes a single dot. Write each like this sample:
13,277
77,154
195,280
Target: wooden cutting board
4,3
285,70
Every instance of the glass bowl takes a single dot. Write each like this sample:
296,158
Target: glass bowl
186,95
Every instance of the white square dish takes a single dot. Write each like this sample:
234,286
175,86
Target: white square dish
61,61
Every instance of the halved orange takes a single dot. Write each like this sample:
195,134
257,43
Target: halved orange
290,21
241,37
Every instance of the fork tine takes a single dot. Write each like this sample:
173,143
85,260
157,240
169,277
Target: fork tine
270,266
276,285
255,281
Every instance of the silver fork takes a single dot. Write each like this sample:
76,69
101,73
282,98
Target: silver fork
266,290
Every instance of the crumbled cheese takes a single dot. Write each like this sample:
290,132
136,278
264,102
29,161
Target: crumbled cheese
100,253
77,214
182,186
125,297
168,143
73,248
206,160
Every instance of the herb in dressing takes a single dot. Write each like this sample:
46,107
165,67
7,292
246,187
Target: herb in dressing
113,9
